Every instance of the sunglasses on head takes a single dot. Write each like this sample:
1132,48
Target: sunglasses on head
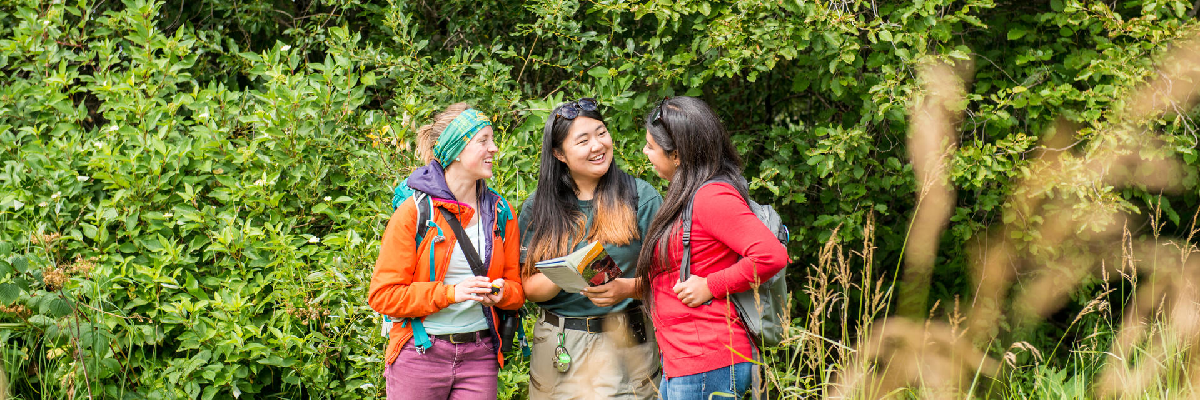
658,116
574,108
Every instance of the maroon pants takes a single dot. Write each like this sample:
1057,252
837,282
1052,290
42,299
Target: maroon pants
446,371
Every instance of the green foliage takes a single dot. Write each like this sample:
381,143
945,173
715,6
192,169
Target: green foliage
192,192
204,241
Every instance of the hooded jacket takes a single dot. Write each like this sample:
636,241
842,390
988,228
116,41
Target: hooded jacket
401,286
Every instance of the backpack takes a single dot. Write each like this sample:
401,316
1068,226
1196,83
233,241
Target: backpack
425,218
760,308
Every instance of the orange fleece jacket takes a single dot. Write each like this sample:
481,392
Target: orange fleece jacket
401,286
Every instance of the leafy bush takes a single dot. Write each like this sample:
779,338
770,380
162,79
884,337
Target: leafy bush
192,192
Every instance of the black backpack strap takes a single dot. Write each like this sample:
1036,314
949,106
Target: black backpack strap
637,195
424,214
464,242
685,267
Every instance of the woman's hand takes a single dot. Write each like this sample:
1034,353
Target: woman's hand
611,293
694,291
472,288
490,299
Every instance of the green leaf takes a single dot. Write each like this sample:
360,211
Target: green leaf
41,320
1016,33
277,361
800,82
56,307
9,293
19,263
885,36
598,72
89,230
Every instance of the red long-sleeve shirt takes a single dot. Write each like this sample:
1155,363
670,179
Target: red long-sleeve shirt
729,247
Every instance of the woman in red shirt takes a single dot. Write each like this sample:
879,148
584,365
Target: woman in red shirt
705,348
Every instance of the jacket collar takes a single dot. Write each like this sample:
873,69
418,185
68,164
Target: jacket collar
431,179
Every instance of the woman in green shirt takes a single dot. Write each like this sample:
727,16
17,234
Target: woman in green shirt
582,198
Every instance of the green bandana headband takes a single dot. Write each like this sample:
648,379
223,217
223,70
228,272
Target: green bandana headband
454,139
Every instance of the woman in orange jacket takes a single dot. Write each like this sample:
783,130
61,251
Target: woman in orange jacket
445,342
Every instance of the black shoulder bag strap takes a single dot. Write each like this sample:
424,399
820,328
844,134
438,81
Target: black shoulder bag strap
464,242
511,320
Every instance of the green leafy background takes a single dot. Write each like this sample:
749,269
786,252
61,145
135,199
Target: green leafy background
192,192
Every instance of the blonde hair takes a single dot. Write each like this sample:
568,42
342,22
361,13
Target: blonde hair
427,135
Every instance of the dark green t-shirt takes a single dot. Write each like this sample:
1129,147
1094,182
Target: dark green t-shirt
575,304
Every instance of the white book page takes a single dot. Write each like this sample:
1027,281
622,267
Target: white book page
565,277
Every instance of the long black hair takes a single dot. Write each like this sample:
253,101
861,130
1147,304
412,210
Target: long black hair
689,128
558,223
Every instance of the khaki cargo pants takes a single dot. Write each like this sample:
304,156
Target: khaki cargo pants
606,365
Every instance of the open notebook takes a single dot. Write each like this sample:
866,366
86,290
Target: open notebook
588,266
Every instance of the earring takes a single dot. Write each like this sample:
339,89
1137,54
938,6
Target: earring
457,159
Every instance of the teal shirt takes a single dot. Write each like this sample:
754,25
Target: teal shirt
575,304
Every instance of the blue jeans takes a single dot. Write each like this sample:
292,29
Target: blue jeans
731,382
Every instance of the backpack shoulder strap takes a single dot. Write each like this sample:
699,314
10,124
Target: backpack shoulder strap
424,224
424,204
503,213
685,267
637,195
424,214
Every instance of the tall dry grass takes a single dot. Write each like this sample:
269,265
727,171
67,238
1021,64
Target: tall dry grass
1078,236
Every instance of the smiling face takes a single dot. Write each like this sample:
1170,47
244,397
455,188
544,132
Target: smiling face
664,164
587,150
475,161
